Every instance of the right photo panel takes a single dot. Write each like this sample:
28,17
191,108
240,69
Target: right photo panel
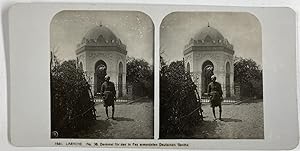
211,76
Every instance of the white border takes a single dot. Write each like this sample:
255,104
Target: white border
278,35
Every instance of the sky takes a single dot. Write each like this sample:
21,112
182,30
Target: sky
242,30
135,30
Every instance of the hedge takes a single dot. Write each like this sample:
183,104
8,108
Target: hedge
72,108
179,108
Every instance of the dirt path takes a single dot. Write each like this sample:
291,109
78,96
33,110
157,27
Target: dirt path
133,120
244,121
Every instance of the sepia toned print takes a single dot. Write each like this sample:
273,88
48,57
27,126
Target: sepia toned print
211,76
101,75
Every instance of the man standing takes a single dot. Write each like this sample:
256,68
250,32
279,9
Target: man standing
108,93
215,94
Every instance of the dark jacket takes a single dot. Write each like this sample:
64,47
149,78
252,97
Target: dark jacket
108,90
214,90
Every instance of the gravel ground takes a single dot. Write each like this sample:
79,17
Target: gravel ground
133,120
244,121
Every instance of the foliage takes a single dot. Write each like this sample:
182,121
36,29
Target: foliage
140,75
178,102
71,106
162,62
248,75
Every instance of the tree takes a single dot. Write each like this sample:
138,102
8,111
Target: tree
248,75
179,109
141,76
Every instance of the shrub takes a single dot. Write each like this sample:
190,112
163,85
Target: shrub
71,106
140,75
178,102
248,75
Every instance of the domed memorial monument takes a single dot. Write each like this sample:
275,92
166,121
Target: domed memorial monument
208,53
102,53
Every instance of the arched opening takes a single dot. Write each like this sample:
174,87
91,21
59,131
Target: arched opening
227,80
207,72
100,73
188,67
120,80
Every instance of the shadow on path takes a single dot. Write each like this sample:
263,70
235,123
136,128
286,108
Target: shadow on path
230,120
140,101
101,124
98,130
249,101
206,129
123,119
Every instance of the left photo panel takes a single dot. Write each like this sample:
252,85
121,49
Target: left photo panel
102,75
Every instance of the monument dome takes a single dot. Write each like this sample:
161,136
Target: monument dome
101,32
209,32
